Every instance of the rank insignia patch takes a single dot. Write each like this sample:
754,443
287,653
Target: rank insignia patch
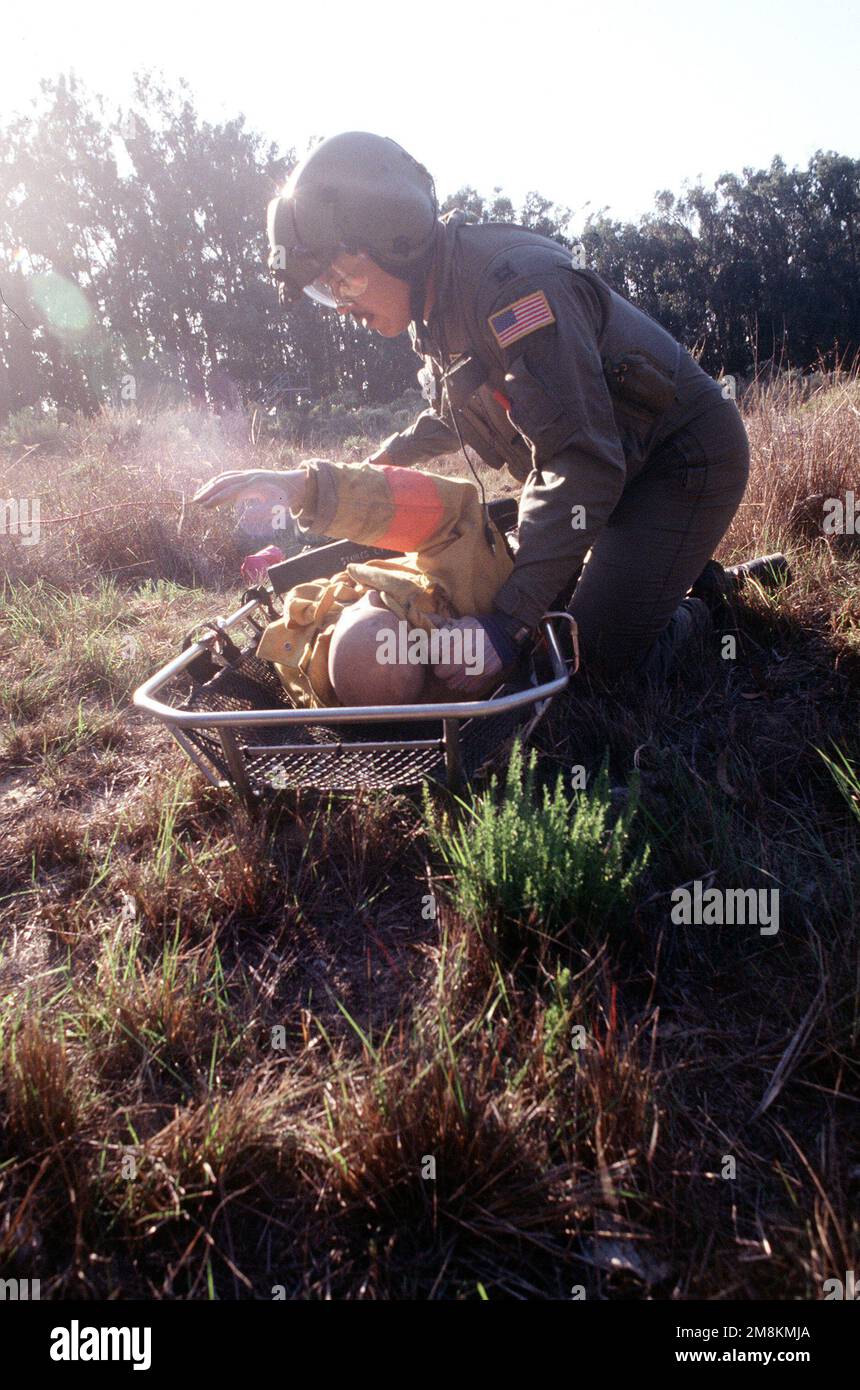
521,318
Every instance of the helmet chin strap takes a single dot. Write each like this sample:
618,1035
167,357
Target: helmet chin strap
417,296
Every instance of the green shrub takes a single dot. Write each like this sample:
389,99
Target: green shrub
555,861
846,774
343,421
31,427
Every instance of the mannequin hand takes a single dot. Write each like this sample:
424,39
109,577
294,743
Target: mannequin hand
474,659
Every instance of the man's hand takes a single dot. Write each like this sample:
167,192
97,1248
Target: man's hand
472,658
255,485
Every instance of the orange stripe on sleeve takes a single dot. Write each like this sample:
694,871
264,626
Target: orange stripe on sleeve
418,509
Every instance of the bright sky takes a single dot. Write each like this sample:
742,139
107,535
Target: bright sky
600,104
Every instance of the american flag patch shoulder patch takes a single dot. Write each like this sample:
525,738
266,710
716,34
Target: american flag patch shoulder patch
520,318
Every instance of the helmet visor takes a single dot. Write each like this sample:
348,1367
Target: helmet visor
296,267
292,264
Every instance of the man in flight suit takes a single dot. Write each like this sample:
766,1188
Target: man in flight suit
630,457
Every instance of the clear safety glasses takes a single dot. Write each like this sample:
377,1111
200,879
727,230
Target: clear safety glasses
336,291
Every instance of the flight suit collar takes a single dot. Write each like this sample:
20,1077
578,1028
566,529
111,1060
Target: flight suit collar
444,336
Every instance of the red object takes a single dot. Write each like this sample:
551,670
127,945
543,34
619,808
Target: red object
502,399
255,567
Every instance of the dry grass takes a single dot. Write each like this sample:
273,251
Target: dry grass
235,1051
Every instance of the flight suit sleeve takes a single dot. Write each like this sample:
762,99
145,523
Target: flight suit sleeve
542,329
426,439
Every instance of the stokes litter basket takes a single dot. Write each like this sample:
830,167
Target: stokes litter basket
239,726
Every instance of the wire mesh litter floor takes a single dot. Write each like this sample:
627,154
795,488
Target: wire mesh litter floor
388,754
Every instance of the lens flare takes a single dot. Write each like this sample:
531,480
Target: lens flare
63,304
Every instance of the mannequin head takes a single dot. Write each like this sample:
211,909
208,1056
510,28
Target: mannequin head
354,667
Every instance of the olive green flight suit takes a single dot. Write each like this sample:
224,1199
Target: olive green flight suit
626,449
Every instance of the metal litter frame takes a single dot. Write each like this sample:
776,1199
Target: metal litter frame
261,748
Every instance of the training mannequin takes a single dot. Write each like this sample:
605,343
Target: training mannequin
328,647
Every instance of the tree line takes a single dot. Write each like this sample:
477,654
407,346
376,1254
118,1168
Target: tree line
132,263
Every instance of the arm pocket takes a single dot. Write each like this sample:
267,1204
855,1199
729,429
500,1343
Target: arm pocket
640,381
